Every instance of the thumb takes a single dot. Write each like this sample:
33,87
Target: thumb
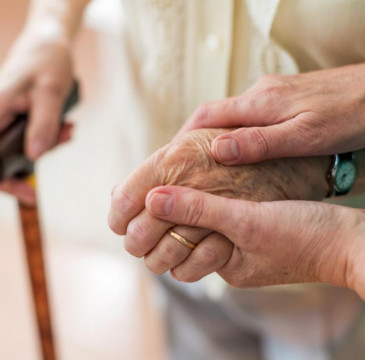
186,206
240,219
256,144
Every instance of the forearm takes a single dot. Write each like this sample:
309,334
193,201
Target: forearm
55,19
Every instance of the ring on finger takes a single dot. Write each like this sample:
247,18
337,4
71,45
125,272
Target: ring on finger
181,239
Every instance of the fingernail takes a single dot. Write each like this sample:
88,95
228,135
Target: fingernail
227,150
36,149
161,204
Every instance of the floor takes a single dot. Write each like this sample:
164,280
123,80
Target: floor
105,306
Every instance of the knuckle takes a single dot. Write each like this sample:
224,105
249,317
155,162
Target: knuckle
185,276
137,230
114,225
263,95
207,257
156,265
169,251
237,104
132,248
201,114
260,97
259,142
160,158
163,259
195,211
269,84
136,238
121,202
271,81
250,99
51,85
230,104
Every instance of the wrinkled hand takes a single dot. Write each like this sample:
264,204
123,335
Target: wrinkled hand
36,78
187,162
273,243
317,113
22,190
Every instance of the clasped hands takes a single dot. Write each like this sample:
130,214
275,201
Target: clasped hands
235,215
238,216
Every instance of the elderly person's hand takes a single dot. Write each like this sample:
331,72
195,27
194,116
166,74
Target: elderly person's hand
187,162
23,190
276,242
36,78
315,113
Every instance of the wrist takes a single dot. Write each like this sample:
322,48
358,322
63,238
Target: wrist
316,170
341,261
355,275
44,32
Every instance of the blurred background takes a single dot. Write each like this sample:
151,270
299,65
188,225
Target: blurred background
104,305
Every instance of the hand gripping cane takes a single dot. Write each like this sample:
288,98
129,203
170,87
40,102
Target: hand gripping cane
13,163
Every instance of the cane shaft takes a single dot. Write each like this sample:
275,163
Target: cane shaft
34,253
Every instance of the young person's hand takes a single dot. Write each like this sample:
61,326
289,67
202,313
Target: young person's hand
268,243
316,113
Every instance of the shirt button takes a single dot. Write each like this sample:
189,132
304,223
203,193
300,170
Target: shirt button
213,42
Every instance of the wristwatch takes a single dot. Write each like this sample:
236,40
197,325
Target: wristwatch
342,174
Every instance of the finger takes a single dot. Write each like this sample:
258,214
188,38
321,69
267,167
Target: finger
180,205
20,189
10,106
208,257
218,114
128,198
143,233
44,123
13,100
5,109
257,107
169,252
256,144
284,235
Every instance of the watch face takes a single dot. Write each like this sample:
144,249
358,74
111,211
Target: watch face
345,176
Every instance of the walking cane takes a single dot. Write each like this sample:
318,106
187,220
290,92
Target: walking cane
13,163
34,253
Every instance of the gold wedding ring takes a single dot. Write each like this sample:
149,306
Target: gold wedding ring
181,240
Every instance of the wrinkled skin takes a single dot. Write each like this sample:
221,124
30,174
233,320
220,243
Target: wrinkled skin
187,161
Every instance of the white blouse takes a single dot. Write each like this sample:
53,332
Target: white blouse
185,52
